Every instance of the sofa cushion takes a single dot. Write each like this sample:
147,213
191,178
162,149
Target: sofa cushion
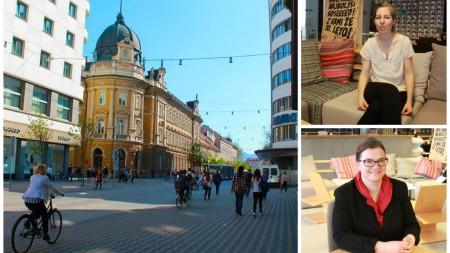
343,110
336,58
311,70
308,165
345,166
391,168
421,64
406,166
430,169
433,112
438,76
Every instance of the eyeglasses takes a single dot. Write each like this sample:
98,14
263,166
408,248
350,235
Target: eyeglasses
371,163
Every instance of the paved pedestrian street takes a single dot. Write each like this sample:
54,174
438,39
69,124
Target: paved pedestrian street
142,217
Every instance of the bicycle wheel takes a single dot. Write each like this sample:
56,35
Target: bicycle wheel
54,226
188,199
22,234
178,201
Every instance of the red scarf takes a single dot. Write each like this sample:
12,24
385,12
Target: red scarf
384,197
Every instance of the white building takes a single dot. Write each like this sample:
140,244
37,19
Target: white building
283,149
42,53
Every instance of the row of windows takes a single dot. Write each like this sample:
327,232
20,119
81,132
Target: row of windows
178,120
177,140
122,99
282,78
281,52
285,133
279,6
282,104
121,124
22,10
40,102
281,28
18,47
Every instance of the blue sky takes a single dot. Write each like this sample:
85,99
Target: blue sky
204,28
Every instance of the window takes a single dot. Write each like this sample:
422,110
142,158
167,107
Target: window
137,103
101,98
22,10
70,38
279,6
67,70
63,108
120,126
72,10
12,93
17,46
48,26
40,100
123,98
282,78
138,127
281,28
45,60
100,126
281,52
282,104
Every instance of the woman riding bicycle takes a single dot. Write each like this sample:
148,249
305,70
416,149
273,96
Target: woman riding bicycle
37,195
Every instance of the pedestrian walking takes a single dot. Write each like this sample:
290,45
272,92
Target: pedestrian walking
69,172
132,175
264,184
248,182
284,181
98,178
239,187
217,179
257,191
207,185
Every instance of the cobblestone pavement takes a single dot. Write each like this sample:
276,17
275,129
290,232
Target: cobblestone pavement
127,219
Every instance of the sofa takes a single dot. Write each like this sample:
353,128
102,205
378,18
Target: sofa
324,101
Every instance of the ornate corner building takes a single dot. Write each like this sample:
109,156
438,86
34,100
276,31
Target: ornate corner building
139,124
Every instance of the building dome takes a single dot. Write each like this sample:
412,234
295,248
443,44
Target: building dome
106,46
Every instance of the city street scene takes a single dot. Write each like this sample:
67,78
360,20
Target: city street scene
150,126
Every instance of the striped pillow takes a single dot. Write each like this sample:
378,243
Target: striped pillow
337,60
345,167
430,169
311,71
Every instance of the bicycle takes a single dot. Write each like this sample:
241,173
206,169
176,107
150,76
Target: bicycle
26,229
179,200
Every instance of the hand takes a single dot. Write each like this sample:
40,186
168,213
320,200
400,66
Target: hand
362,104
407,109
389,247
408,243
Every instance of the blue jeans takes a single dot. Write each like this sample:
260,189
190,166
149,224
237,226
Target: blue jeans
239,200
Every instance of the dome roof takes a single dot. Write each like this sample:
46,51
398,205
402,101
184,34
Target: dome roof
106,46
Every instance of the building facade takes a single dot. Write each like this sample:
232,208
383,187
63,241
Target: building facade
283,149
216,146
41,80
139,124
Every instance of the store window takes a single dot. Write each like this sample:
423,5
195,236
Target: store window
9,155
17,47
22,10
12,93
30,156
48,26
64,107
56,158
40,100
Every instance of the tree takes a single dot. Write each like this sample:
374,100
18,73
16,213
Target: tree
197,155
39,130
84,133
267,139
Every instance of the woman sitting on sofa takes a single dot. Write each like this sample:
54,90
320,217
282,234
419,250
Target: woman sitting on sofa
372,212
386,59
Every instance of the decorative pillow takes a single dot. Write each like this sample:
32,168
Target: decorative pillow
391,169
311,71
428,168
336,59
438,76
421,64
406,166
307,166
345,167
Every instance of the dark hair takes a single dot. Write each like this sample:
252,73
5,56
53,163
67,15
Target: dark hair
257,174
368,143
240,170
391,8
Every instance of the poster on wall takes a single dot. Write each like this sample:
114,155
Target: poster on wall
438,150
341,20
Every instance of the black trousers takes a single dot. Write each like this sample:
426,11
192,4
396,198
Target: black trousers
257,198
37,210
385,104
207,192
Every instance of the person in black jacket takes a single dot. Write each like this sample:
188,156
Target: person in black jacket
372,212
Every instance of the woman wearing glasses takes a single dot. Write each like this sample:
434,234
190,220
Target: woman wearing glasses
372,212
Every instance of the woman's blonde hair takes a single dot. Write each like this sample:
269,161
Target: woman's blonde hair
40,169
